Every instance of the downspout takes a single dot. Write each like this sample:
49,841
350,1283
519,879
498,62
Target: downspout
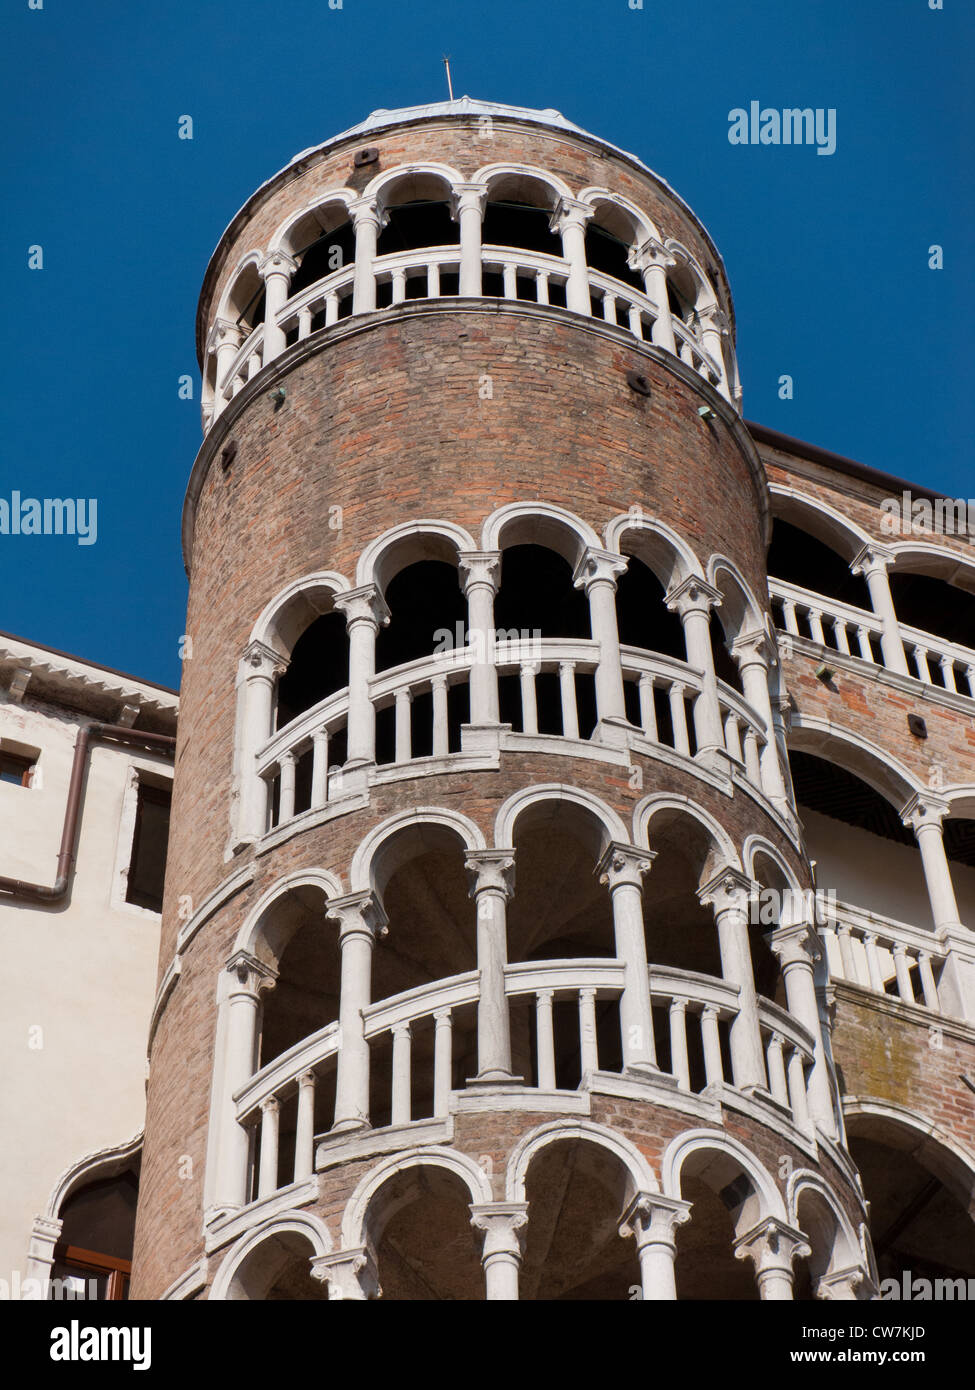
112,733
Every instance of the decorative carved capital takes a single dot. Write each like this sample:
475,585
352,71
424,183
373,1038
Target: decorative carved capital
363,605
624,864
252,975
465,196
693,595
570,212
728,891
490,871
277,263
358,914
652,1219
502,1224
923,810
349,1274
258,659
479,567
598,567
222,333
648,254
368,210
871,557
772,1245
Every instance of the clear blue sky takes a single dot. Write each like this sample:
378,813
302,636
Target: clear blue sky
827,255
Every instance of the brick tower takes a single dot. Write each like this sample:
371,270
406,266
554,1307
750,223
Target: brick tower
491,964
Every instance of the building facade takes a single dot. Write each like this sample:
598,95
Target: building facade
571,875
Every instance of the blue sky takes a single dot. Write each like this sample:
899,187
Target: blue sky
828,256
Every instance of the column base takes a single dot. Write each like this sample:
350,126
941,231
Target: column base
482,738
616,732
717,760
649,1071
494,1077
349,1126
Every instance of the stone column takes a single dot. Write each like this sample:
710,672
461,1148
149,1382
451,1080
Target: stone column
872,562
348,1274
569,221
842,1285
755,652
502,1224
596,573
772,1246
225,340
244,979
797,946
259,669
276,269
622,867
653,261
365,613
492,881
692,601
651,1218
480,576
728,894
468,210
924,813
367,221
715,328
361,920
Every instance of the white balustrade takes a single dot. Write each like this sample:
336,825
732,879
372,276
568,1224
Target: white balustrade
882,955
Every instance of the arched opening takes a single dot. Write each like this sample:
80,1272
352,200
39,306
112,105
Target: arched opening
934,606
245,303
518,213
800,558
577,1191
419,1225
725,665
682,295
560,911
644,619
420,877
322,243
737,614
278,1270
428,614
93,1256
725,1204
866,855
831,1249
610,237
537,600
418,214
922,1202
776,896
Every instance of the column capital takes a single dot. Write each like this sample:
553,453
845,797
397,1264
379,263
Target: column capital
252,975
772,1245
223,331
652,1218
464,196
363,605
277,263
924,809
842,1285
479,567
490,870
348,1273
871,557
358,914
650,253
503,1224
570,212
598,566
728,890
714,319
258,659
756,648
624,864
368,210
796,943
693,595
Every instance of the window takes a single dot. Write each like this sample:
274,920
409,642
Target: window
16,769
147,867
93,1258
88,1274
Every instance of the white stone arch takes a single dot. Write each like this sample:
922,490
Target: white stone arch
705,296
407,543
961,799
364,860
490,174
819,519
937,561
670,557
295,607
283,237
758,844
739,612
640,1174
304,1224
766,1200
845,1250
256,936
228,308
377,188
944,1155
539,523
46,1229
835,743
355,1231
612,827
643,227
723,846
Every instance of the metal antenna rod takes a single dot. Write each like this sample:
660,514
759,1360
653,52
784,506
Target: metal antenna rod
450,85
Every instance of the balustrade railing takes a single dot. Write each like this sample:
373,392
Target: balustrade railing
301,762
571,1031
855,632
882,955
433,272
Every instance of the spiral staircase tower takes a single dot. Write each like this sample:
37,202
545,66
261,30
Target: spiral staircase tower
481,769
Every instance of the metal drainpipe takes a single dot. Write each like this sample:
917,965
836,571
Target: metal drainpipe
113,733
